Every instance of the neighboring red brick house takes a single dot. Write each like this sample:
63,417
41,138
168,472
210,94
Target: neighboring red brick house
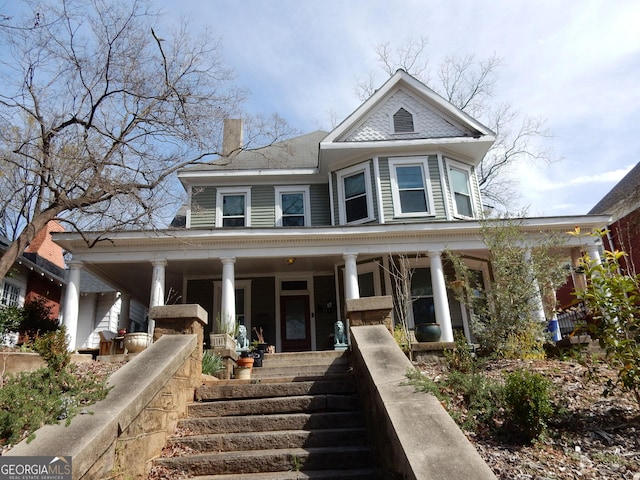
38,273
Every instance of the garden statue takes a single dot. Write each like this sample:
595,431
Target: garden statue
340,340
242,340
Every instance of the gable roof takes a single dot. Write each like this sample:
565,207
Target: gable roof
623,197
448,126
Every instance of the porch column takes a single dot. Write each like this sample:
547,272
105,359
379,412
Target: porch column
157,289
72,303
228,301
125,311
440,298
579,280
594,253
536,301
351,288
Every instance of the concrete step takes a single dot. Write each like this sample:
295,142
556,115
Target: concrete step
266,389
229,442
353,474
273,460
326,357
298,371
263,423
265,406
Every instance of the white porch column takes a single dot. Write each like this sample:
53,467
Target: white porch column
125,311
72,303
228,301
157,289
594,254
351,288
440,298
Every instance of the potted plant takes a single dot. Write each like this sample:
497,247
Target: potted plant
428,332
259,346
244,364
224,338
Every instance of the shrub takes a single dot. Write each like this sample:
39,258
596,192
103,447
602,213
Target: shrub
52,347
211,363
10,318
400,336
460,359
528,402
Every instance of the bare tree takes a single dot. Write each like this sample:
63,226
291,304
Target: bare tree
99,107
468,82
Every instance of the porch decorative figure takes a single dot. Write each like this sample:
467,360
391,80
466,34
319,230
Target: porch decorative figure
242,340
340,338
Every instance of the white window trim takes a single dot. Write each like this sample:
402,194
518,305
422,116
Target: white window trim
455,165
372,267
395,192
246,191
304,189
347,172
392,126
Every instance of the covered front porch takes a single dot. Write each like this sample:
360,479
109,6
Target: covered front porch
291,283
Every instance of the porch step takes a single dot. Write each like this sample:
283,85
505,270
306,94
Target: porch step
271,428
302,364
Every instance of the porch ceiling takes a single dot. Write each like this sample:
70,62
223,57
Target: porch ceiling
135,277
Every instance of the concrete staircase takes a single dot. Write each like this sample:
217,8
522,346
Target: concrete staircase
299,417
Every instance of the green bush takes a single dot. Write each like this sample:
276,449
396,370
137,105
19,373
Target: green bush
211,363
52,347
10,318
460,359
528,402
36,319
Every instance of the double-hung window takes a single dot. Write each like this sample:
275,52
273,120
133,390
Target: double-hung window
354,191
460,185
410,187
292,206
233,207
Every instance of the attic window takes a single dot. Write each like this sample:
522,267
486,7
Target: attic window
403,121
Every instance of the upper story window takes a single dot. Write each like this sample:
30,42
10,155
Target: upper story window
10,295
410,187
233,207
292,206
354,190
403,121
460,185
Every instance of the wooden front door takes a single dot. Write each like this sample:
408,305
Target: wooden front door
295,322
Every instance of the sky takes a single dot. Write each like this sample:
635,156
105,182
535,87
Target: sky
574,64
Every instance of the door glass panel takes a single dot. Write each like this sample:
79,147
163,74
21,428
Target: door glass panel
295,320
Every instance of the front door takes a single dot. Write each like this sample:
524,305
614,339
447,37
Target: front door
295,321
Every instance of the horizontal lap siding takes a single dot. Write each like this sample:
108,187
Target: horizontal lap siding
385,188
203,207
437,189
320,206
263,212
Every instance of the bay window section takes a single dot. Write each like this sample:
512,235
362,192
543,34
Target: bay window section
354,189
460,185
410,187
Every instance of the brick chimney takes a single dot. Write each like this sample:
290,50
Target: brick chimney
231,136
43,245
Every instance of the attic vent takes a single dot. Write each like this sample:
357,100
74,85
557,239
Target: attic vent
402,122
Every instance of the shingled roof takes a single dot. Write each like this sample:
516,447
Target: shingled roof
622,198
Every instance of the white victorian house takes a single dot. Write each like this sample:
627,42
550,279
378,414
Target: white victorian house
280,237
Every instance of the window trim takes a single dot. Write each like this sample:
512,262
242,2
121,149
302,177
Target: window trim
395,191
221,192
305,190
392,124
348,172
455,165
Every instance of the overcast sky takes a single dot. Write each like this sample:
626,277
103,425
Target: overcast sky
573,63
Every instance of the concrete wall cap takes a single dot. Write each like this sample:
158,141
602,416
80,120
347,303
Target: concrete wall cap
179,311
370,303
